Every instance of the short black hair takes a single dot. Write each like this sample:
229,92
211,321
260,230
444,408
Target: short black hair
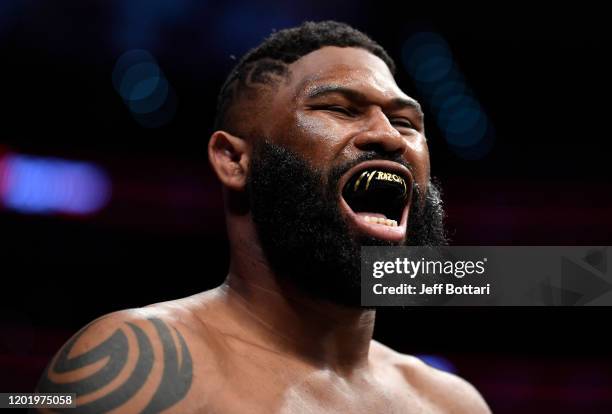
267,62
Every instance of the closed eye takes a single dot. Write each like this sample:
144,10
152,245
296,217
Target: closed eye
339,109
402,123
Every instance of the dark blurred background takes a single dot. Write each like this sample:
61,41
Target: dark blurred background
107,200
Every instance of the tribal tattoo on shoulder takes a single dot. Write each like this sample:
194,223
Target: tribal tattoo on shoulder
177,373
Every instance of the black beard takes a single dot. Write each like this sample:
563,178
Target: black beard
303,234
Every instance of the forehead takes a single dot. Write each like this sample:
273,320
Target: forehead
343,66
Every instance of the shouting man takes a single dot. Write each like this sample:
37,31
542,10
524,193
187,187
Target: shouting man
319,152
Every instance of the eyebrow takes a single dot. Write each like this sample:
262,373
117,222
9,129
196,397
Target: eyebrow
355,95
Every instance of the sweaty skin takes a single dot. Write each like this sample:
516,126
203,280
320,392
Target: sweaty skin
250,345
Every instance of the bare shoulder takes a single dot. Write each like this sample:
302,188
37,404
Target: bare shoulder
448,392
137,360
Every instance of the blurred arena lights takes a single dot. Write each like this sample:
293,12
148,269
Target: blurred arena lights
242,24
438,362
141,83
139,23
459,115
43,185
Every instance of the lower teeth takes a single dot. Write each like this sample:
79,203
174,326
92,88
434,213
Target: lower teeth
380,220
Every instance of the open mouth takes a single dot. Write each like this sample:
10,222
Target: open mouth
375,195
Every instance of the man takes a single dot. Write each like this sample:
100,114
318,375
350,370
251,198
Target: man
319,152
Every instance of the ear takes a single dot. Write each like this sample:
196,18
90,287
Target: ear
229,158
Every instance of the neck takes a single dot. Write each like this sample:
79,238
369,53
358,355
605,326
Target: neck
321,333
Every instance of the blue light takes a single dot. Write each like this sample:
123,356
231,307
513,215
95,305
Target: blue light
459,115
439,93
151,102
462,121
438,362
52,185
143,87
128,60
131,87
428,62
159,117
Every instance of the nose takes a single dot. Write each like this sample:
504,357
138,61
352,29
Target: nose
381,136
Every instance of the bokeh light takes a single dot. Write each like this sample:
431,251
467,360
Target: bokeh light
42,185
142,85
460,117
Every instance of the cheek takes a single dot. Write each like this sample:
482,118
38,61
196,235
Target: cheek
418,155
315,126
314,134
308,125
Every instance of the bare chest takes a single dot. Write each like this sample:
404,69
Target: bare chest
256,387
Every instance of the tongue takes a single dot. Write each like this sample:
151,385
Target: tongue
365,213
